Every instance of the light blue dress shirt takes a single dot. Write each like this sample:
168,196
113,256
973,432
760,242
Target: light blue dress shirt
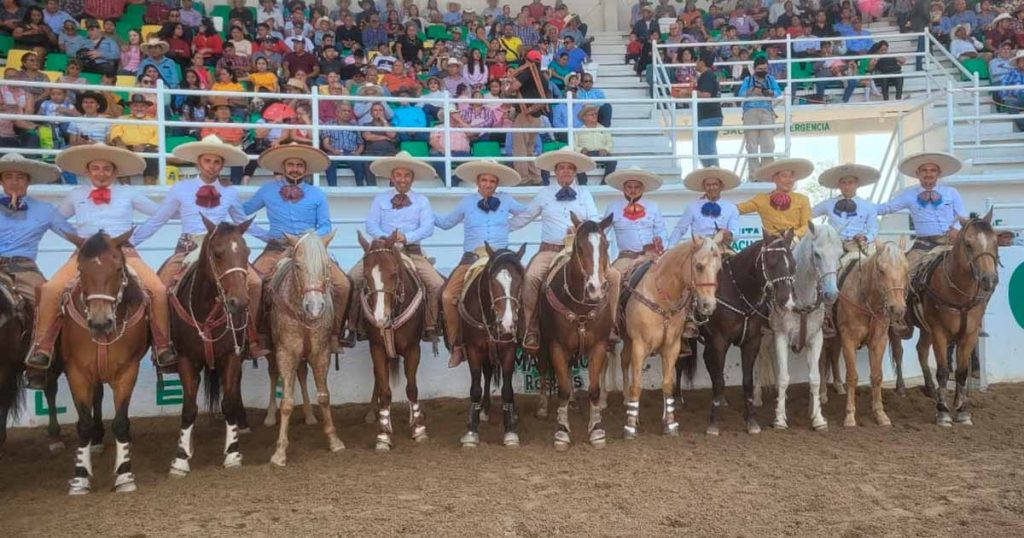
863,222
703,226
295,218
23,230
928,220
480,225
416,221
635,234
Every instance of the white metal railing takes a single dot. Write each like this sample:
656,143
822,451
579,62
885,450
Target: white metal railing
1011,140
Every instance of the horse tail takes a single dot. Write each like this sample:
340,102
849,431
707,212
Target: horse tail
395,368
688,365
764,363
211,384
12,393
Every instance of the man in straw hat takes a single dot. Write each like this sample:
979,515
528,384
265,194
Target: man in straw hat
24,221
295,207
485,219
103,205
138,138
640,232
205,196
782,209
554,204
593,140
710,213
155,50
855,218
401,210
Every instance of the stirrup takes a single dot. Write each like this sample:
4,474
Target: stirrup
39,360
167,359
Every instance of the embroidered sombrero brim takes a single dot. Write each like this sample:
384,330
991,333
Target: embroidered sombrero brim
420,169
617,179
801,168
948,164
36,170
865,175
694,181
76,159
549,160
211,145
507,177
273,159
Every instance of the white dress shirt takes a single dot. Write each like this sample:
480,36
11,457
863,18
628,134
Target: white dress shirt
863,222
928,220
416,221
114,218
554,215
704,226
635,234
181,203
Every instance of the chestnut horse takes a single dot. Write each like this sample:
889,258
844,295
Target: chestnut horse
103,342
393,305
208,321
489,318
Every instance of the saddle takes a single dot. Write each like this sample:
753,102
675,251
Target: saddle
632,280
23,307
560,259
919,274
475,270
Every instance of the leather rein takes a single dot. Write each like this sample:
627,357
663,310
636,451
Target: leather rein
677,305
592,309
484,324
766,296
392,323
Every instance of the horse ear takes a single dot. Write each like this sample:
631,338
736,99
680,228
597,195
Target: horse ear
788,236
575,220
123,238
521,251
719,236
210,226
810,227
698,241
243,227
879,244
76,240
606,222
903,243
490,251
326,240
362,241
291,239
963,221
393,238
988,216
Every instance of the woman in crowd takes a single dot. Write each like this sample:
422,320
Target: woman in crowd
131,54
33,33
180,50
243,47
475,70
207,43
887,66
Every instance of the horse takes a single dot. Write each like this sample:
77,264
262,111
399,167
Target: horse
301,322
103,343
393,306
947,298
488,317
576,316
798,328
209,313
872,293
658,301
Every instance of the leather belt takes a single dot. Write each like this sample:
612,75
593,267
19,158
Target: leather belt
927,242
11,260
551,247
632,254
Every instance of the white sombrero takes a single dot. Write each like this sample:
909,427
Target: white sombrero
420,170
549,160
964,25
36,170
618,179
948,164
1019,56
76,160
1001,17
273,159
866,175
507,177
694,181
211,145
155,42
801,168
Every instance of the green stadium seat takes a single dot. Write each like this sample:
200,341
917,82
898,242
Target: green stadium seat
437,31
56,61
123,26
976,65
486,148
6,44
172,142
221,11
92,78
416,148
135,11
552,145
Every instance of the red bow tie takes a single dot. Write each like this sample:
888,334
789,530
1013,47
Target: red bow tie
780,201
291,192
207,196
634,211
100,195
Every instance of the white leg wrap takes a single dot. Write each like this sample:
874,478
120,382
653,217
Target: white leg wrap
231,459
83,458
123,455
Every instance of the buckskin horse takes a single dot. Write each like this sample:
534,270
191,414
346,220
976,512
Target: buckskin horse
301,322
103,342
392,300
576,316
209,307
489,316
949,292
658,300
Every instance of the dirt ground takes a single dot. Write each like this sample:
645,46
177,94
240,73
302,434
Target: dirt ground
913,479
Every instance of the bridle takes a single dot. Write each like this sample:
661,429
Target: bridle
397,298
229,318
882,314
686,297
115,304
768,289
973,264
485,324
579,265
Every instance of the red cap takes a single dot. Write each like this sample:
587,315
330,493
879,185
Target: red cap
533,56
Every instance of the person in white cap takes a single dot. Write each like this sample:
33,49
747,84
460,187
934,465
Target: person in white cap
710,213
640,232
782,209
855,218
485,218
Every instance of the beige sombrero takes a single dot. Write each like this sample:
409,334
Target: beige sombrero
801,169
155,42
507,177
370,88
964,25
549,160
618,179
587,108
420,170
211,145
76,159
1001,17
1018,57
273,159
694,181
866,175
948,164
36,170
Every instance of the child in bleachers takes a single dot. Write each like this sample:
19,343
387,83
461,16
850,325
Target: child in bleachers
58,104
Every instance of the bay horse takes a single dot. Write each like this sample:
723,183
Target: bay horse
680,282
102,342
301,324
393,306
751,284
872,293
946,300
209,313
489,322
798,328
576,316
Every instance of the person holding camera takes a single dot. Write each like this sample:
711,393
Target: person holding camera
759,112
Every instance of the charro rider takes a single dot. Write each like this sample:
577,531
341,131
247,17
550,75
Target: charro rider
855,218
782,209
710,213
484,216
640,231
24,220
106,206
295,207
401,210
553,204
205,196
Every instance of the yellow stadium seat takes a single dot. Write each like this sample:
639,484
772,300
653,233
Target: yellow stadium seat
125,81
14,58
149,29
54,75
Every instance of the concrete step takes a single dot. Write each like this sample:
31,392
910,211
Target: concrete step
635,92
621,70
990,130
624,82
610,58
625,113
608,48
641,144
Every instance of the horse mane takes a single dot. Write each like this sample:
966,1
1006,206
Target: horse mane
315,260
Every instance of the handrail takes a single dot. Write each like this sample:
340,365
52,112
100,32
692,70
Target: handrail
956,63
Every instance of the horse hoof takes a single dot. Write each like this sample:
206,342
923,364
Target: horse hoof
125,483
927,391
311,421
598,438
383,446
371,417
541,413
233,460
56,447
562,440
819,426
944,420
79,486
753,429
96,449
840,390
270,421
511,440
179,469
470,440
671,429
780,425
629,433
420,434
850,421
712,430
244,431
279,458
882,419
824,397
964,418
484,417
336,445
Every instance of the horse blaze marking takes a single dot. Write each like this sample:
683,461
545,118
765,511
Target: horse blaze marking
40,408
505,279
234,246
170,393
595,243
378,305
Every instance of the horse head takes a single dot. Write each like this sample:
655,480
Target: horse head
225,257
103,279
312,271
778,268
978,248
826,250
590,255
891,270
706,261
382,264
503,281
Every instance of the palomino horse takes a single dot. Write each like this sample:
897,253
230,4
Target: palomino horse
947,299
392,300
871,294
797,327
489,315
751,284
669,289
103,343
301,322
576,316
209,315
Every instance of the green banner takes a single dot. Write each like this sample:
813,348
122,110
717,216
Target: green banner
41,410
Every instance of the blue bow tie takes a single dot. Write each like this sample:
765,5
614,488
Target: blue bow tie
927,198
491,203
711,209
845,206
566,194
6,202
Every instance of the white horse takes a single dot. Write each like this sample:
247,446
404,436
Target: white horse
798,328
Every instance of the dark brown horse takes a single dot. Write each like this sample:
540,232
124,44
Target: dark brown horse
208,321
393,305
750,284
102,342
489,314
576,316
